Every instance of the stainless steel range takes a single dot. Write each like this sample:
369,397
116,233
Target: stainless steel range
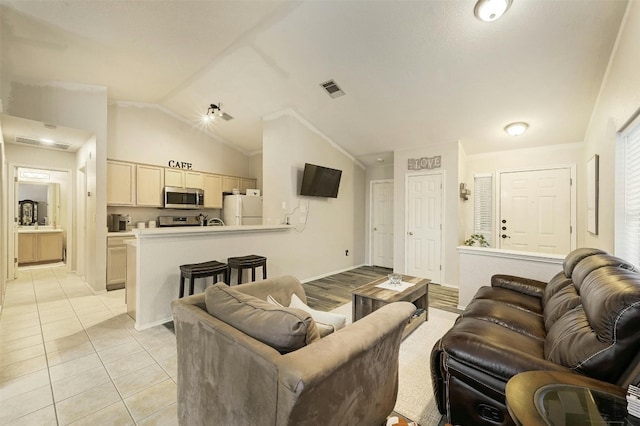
178,221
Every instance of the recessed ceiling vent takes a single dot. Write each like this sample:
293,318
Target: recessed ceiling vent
35,142
332,88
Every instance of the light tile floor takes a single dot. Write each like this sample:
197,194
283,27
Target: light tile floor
68,356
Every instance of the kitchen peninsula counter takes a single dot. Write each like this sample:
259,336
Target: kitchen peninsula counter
159,252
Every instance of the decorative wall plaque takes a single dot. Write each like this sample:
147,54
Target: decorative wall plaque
424,163
180,165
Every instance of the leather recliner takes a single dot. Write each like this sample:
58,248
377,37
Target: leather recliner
585,320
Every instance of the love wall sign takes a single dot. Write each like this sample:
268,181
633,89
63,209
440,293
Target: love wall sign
424,163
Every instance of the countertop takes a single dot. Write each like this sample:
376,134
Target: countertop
176,231
121,234
40,230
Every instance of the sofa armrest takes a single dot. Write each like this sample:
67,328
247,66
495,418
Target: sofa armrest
521,285
349,375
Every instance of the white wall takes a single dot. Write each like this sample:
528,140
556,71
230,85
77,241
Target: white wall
4,225
333,225
150,135
618,100
449,162
255,169
518,159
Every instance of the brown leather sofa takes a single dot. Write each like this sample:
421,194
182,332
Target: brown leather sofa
586,320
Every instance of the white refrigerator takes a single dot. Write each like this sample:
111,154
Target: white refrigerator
242,210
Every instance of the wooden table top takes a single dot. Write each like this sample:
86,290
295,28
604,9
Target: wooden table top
372,292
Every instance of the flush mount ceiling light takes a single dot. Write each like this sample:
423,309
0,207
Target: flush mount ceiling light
490,10
516,129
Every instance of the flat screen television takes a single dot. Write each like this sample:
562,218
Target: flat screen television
318,181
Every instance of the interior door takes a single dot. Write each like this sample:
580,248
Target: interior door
382,224
423,240
535,211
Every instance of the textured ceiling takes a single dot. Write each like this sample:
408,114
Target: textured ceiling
414,72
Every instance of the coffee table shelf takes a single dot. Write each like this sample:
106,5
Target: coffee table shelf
368,298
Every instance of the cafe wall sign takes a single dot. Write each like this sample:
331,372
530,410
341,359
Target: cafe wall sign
180,165
424,163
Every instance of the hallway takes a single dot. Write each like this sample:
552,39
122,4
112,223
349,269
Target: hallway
68,356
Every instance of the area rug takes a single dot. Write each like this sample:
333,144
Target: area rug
415,395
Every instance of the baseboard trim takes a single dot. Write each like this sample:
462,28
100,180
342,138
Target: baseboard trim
306,280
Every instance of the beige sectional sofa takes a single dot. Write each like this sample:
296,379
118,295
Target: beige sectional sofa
230,377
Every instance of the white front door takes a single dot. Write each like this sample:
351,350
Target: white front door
382,224
423,240
535,211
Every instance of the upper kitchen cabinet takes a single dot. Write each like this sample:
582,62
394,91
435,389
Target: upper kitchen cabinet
120,183
183,178
247,184
212,185
229,183
149,184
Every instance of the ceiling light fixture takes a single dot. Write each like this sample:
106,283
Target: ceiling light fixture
516,129
211,112
490,10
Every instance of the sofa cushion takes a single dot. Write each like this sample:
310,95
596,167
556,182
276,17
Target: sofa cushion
327,322
510,317
284,329
573,258
510,297
562,302
601,336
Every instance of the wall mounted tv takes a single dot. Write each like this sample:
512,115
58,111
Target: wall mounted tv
318,181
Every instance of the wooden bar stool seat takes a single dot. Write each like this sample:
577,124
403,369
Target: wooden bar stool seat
202,270
248,262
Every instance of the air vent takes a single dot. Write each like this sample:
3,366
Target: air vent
226,116
332,88
35,142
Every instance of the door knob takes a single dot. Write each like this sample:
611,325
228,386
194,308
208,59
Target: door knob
505,236
409,233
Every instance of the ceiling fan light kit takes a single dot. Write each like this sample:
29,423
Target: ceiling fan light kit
490,10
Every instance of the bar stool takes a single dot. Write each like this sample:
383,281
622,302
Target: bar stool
248,262
202,270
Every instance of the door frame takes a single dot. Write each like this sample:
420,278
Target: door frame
443,178
573,201
12,212
371,183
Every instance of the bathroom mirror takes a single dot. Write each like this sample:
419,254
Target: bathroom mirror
47,197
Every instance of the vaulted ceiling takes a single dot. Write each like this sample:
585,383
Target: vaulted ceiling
414,72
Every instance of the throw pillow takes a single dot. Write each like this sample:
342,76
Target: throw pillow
337,321
284,329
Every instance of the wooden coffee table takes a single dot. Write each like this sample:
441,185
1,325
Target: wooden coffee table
368,298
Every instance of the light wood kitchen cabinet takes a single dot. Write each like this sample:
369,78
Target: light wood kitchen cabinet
212,185
174,177
120,183
183,178
247,184
149,184
229,183
116,262
49,246
27,248
36,247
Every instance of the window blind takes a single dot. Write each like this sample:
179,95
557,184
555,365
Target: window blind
482,208
631,236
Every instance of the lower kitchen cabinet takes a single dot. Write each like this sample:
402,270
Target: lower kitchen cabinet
116,262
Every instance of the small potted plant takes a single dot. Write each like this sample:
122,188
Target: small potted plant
476,238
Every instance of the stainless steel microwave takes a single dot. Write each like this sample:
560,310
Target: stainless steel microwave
183,198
